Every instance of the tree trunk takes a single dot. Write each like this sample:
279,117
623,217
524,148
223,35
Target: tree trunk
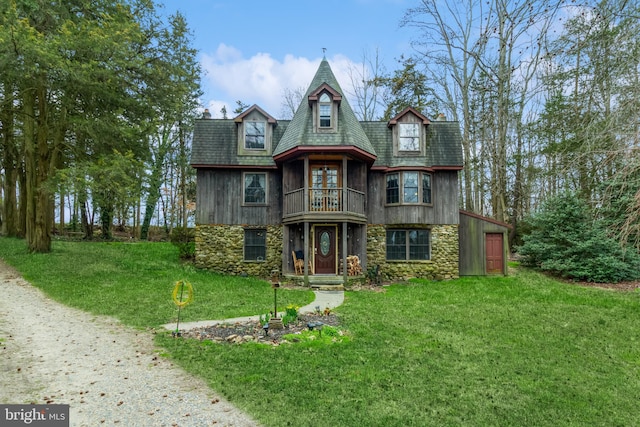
41,234
10,218
30,164
152,201
106,220
85,219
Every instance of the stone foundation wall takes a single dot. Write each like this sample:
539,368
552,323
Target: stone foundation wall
444,255
220,248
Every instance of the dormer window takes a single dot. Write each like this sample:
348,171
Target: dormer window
409,137
324,108
325,104
254,135
255,132
409,129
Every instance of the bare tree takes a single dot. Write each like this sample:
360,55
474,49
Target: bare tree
290,102
449,45
492,46
366,92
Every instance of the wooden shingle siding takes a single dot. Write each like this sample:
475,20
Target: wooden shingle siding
443,210
219,199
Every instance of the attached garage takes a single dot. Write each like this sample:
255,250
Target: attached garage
484,247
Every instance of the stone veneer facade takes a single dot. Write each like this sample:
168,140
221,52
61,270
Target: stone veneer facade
220,248
444,255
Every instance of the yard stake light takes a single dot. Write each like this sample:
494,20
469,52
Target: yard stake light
182,295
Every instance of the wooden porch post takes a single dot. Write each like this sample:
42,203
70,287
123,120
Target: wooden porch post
344,252
306,253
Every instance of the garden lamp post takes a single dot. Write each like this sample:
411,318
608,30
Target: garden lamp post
275,322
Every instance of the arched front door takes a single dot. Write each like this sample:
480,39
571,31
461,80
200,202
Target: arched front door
325,249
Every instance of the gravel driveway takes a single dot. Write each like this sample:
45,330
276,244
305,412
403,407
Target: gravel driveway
108,373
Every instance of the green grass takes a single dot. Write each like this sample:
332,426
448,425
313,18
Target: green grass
518,351
133,282
522,350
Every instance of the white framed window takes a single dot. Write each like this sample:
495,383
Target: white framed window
254,135
408,137
255,188
324,111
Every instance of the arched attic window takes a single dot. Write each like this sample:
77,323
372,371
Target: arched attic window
324,103
324,108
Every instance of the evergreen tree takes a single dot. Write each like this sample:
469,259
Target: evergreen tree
566,241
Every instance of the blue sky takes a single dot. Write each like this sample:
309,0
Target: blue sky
253,50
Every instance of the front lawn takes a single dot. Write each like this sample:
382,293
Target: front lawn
133,282
519,350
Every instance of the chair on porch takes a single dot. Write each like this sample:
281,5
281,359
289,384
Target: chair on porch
298,261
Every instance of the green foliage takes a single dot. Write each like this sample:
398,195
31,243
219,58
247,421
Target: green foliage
133,282
407,88
565,240
84,80
620,206
184,239
290,315
522,350
264,318
319,336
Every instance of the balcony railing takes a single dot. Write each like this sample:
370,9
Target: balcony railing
319,200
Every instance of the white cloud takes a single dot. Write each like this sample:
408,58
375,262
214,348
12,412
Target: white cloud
260,79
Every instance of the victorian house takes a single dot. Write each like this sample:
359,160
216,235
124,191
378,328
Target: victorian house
324,196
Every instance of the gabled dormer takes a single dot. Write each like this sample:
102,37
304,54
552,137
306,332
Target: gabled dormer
409,133
255,132
324,103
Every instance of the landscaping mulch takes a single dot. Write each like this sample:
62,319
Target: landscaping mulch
237,333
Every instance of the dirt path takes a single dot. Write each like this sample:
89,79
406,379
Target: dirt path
108,374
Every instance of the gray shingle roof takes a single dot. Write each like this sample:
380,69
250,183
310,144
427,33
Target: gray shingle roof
300,130
215,141
444,145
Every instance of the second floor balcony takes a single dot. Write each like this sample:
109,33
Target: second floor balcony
330,203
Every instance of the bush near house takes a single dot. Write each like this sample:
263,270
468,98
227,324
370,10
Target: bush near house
184,239
567,240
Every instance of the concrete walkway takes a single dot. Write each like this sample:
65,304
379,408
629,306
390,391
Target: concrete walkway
324,299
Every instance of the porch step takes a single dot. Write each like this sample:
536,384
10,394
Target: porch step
327,283
318,287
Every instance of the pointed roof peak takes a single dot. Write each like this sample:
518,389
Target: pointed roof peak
324,75
301,131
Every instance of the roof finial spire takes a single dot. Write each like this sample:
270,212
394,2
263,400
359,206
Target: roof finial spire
324,51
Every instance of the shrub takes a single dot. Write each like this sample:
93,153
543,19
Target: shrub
290,315
566,241
184,239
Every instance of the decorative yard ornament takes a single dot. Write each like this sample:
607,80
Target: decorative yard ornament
182,295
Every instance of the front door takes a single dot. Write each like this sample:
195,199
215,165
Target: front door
325,249
494,252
